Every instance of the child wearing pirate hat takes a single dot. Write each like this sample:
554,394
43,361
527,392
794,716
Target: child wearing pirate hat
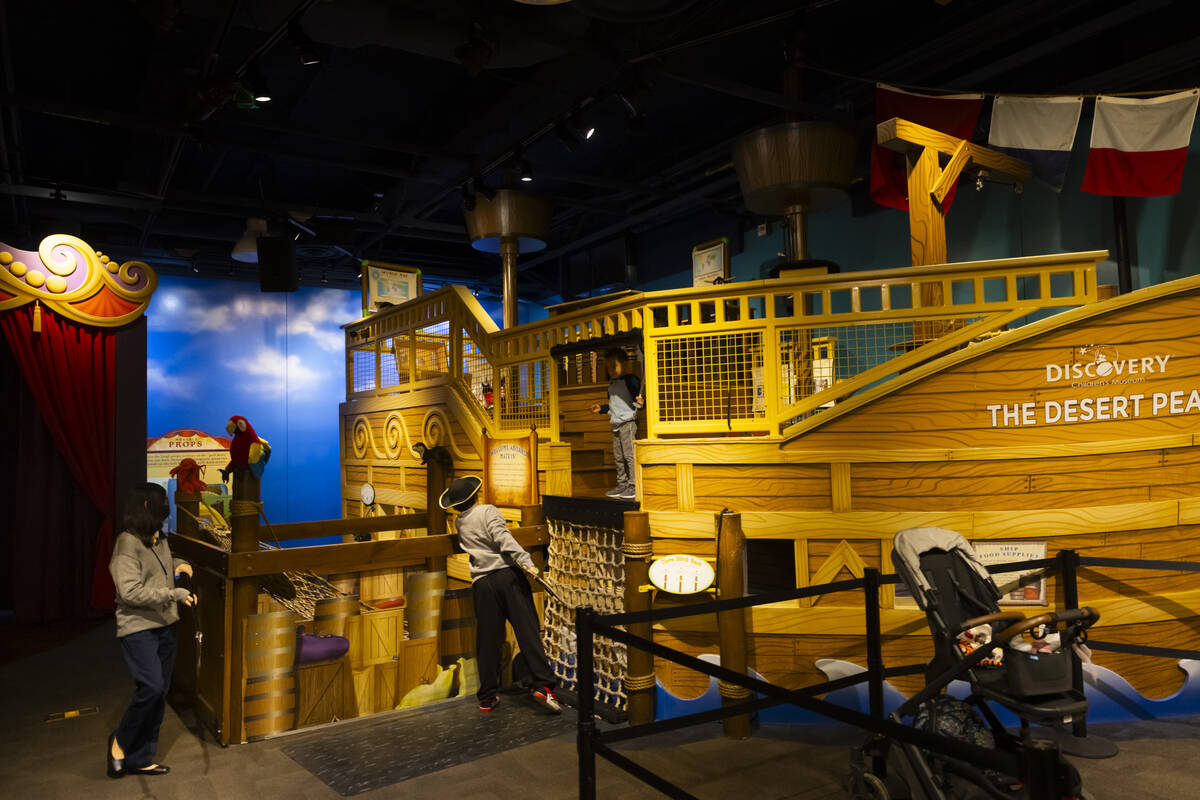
501,592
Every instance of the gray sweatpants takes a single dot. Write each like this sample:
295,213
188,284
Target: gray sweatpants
623,436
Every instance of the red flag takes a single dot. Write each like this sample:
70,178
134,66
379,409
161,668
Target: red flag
1139,147
954,114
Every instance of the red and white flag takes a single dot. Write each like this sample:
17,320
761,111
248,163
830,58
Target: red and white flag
955,114
1139,146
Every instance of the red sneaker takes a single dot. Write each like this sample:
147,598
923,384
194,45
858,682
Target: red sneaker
546,699
486,706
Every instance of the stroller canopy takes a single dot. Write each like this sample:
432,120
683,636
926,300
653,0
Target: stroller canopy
910,543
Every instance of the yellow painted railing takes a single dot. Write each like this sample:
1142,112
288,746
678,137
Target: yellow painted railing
751,357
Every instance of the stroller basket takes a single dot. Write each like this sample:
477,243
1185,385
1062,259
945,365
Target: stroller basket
1037,673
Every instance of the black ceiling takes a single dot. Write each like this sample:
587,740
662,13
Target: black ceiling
124,123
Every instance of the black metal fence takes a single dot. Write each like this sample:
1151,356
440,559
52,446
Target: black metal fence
1036,765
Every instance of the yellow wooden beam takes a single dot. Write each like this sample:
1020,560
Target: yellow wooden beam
945,182
908,137
1038,523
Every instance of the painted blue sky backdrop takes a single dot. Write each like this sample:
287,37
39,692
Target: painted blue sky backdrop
220,348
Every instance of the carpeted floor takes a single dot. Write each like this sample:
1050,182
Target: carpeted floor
418,741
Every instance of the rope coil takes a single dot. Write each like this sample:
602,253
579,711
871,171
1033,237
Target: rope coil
636,549
638,683
732,691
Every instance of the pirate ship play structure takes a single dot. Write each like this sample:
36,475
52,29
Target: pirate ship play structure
826,412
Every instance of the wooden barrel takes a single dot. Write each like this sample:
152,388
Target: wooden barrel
423,592
330,614
269,704
458,626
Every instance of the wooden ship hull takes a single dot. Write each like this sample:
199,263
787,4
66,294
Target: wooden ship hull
831,412
1002,440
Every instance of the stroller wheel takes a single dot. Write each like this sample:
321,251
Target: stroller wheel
877,788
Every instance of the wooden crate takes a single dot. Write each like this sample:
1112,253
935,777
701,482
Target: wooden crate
385,694
381,584
362,692
321,692
381,635
418,664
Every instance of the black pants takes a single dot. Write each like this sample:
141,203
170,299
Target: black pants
500,595
150,655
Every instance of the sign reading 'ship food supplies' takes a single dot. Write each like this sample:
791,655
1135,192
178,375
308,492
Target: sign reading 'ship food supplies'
1098,366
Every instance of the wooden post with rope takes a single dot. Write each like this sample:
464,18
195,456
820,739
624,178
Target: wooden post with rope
244,512
640,684
731,625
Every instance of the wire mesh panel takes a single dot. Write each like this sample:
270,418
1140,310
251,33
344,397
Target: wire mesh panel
586,567
363,366
477,373
710,377
523,395
814,359
433,351
389,374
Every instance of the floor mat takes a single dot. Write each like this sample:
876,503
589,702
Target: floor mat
368,755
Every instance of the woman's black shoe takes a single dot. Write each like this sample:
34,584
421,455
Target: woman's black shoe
116,766
154,769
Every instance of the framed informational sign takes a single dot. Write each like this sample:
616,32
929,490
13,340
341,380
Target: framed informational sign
710,262
1022,588
388,284
510,471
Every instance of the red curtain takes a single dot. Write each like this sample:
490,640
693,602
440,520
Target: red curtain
70,371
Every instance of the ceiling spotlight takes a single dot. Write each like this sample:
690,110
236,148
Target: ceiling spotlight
468,196
256,84
195,268
525,171
246,249
324,278
305,49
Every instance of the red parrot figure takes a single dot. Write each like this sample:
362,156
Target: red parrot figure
247,450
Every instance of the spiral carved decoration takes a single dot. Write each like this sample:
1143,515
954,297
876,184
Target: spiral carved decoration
70,278
396,441
395,436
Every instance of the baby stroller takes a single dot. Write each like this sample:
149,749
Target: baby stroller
975,641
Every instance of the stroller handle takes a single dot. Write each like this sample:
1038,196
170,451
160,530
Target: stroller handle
997,616
1088,614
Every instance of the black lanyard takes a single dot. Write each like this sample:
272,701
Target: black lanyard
160,562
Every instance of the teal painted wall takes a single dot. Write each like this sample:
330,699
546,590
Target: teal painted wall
993,223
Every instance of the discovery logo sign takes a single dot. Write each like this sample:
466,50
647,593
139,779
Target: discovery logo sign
1101,365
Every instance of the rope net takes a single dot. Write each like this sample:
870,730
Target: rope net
586,567
298,592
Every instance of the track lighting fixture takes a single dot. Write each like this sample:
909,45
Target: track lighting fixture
468,195
256,84
525,171
306,49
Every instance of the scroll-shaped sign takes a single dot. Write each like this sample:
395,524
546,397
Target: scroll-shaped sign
510,470
682,574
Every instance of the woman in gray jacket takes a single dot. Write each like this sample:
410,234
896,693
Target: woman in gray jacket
144,573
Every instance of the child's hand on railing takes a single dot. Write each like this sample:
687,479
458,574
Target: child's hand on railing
595,408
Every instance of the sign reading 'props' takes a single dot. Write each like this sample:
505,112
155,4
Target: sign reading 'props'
1105,368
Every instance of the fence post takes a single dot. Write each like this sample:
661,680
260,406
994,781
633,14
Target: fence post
586,684
874,654
731,625
1068,565
1041,765
243,524
640,685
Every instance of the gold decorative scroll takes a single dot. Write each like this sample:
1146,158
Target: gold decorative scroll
70,278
